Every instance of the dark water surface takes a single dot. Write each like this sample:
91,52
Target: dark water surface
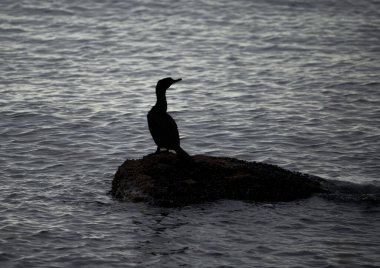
293,83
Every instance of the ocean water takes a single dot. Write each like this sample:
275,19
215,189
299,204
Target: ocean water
289,82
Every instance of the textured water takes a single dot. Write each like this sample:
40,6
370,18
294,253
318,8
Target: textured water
293,83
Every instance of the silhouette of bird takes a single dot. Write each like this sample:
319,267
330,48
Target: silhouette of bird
162,126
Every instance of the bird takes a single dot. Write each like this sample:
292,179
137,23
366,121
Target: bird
161,125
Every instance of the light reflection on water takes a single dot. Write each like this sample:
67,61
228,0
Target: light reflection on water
286,82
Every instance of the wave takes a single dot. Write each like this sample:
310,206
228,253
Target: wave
351,192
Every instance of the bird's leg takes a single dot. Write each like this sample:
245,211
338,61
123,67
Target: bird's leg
158,150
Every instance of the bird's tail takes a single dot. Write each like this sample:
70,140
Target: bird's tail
182,154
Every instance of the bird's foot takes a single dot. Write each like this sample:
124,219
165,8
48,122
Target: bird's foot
158,151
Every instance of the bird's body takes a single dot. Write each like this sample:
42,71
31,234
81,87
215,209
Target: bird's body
162,126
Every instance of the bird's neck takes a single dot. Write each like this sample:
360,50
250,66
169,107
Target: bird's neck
161,103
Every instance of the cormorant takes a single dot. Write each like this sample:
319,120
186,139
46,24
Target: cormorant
161,125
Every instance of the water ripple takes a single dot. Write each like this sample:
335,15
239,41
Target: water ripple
285,82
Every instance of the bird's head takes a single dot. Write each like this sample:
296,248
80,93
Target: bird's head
164,84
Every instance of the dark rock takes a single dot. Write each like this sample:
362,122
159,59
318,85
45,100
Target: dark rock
164,179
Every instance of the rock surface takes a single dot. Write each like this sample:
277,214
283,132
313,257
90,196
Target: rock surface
165,180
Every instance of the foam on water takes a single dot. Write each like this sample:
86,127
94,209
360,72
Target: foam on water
286,82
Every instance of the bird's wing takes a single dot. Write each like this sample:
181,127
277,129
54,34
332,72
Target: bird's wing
163,129
172,129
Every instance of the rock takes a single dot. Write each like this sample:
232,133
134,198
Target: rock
165,180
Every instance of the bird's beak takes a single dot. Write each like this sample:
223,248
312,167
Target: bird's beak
177,80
